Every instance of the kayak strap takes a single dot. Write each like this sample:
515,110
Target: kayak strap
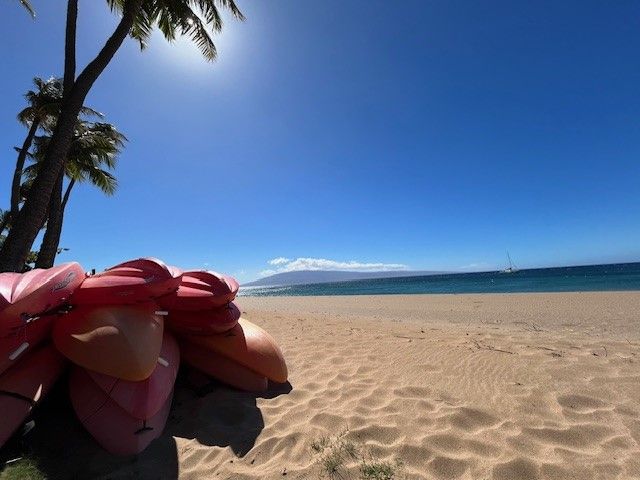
143,429
7,393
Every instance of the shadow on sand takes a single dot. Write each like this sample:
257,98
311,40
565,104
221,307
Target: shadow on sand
211,413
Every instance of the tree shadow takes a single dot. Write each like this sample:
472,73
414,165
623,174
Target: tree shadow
212,413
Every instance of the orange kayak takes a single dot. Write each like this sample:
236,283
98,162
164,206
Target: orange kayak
119,341
222,368
248,345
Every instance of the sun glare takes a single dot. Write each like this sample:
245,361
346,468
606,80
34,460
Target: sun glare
183,54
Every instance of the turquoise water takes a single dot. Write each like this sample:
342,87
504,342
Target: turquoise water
622,276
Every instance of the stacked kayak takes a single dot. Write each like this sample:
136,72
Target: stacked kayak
29,366
125,416
125,331
25,384
136,281
213,337
125,364
27,301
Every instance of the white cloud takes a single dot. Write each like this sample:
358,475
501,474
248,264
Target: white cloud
279,261
478,266
289,265
266,273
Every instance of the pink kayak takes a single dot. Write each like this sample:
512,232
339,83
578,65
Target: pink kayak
204,322
136,281
24,296
24,385
109,424
14,347
145,398
201,290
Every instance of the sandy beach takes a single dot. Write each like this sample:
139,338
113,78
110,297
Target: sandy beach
506,387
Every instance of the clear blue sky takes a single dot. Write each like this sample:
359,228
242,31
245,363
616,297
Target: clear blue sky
432,134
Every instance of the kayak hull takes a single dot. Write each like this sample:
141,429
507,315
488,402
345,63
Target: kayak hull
111,426
119,341
201,290
17,345
135,281
222,368
145,398
28,295
204,322
248,345
24,385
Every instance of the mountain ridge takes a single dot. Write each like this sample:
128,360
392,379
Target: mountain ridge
302,277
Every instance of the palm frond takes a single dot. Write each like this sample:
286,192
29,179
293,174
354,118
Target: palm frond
196,19
94,150
27,5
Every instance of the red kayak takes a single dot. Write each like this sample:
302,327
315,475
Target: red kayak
145,398
201,290
204,322
136,281
109,424
120,341
14,347
25,296
24,385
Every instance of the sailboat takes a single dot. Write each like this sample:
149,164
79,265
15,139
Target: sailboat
511,268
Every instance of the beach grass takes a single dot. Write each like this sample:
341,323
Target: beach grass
338,456
22,469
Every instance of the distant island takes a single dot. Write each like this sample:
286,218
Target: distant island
327,276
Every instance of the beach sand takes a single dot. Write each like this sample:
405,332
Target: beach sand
508,386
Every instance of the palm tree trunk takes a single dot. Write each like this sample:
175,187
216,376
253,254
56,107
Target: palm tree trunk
17,173
67,193
70,48
25,226
51,239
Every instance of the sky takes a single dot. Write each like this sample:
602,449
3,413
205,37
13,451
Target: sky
426,135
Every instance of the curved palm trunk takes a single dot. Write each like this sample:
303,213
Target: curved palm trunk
51,241
25,226
17,173
49,247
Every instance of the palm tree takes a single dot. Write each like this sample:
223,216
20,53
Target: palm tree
94,151
42,110
195,18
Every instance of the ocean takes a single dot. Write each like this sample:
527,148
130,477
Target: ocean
621,276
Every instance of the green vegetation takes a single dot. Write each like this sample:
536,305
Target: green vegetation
338,459
378,470
92,153
23,469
